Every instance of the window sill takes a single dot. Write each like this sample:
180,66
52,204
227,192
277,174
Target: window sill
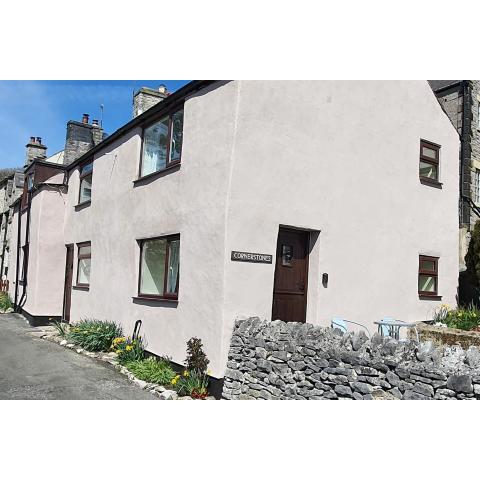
430,182
81,206
423,296
159,173
142,298
86,288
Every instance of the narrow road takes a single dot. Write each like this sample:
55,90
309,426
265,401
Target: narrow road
35,369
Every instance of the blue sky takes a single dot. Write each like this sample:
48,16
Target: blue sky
43,108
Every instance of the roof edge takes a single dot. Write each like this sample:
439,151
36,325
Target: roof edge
152,112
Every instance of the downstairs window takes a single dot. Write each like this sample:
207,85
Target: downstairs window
159,267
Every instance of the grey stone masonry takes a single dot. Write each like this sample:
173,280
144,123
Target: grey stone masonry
278,360
146,98
35,150
81,137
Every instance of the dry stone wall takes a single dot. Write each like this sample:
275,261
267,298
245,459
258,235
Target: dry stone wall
278,360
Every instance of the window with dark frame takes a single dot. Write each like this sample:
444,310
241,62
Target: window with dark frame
162,144
86,175
30,182
428,276
84,260
159,267
429,161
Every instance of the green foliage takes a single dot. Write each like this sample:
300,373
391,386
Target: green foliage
472,258
462,318
152,371
5,301
62,328
128,350
94,335
192,383
196,359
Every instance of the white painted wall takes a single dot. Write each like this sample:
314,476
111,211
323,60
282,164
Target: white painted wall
190,201
342,158
46,266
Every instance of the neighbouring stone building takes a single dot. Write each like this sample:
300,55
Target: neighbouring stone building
460,99
229,198
11,189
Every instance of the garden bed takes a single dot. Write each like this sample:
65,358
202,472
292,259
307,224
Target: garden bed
50,333
448,336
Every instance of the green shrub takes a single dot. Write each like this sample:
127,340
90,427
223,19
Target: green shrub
462,318
5,301
152,371
62,328
128,350
472,258
94,335
196,358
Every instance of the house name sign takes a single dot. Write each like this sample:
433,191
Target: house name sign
251,257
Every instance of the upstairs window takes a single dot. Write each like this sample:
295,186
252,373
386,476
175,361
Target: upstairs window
429,161
159,267
29,182
84,263
428,276
86,173
162,144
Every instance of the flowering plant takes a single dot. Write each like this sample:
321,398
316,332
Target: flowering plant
463,318
127,349
192,383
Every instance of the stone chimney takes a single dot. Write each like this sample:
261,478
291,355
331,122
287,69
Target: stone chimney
146,98
35,150
81,137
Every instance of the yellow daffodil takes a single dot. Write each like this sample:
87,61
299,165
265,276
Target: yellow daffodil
186,373
128,348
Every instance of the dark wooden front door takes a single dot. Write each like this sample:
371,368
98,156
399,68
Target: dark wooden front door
291,275
67,294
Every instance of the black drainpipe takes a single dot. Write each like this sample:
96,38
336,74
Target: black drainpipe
19,234
465,200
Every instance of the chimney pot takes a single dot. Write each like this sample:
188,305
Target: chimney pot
95,122
85,118
39,140
162,88
32,139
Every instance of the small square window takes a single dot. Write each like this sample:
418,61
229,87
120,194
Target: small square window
86,175
287,255
428,276
84,263
429,161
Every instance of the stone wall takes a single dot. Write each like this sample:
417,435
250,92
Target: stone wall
278,360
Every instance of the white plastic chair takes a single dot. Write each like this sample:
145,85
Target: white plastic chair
342,324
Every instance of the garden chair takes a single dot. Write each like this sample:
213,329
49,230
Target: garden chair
342,325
